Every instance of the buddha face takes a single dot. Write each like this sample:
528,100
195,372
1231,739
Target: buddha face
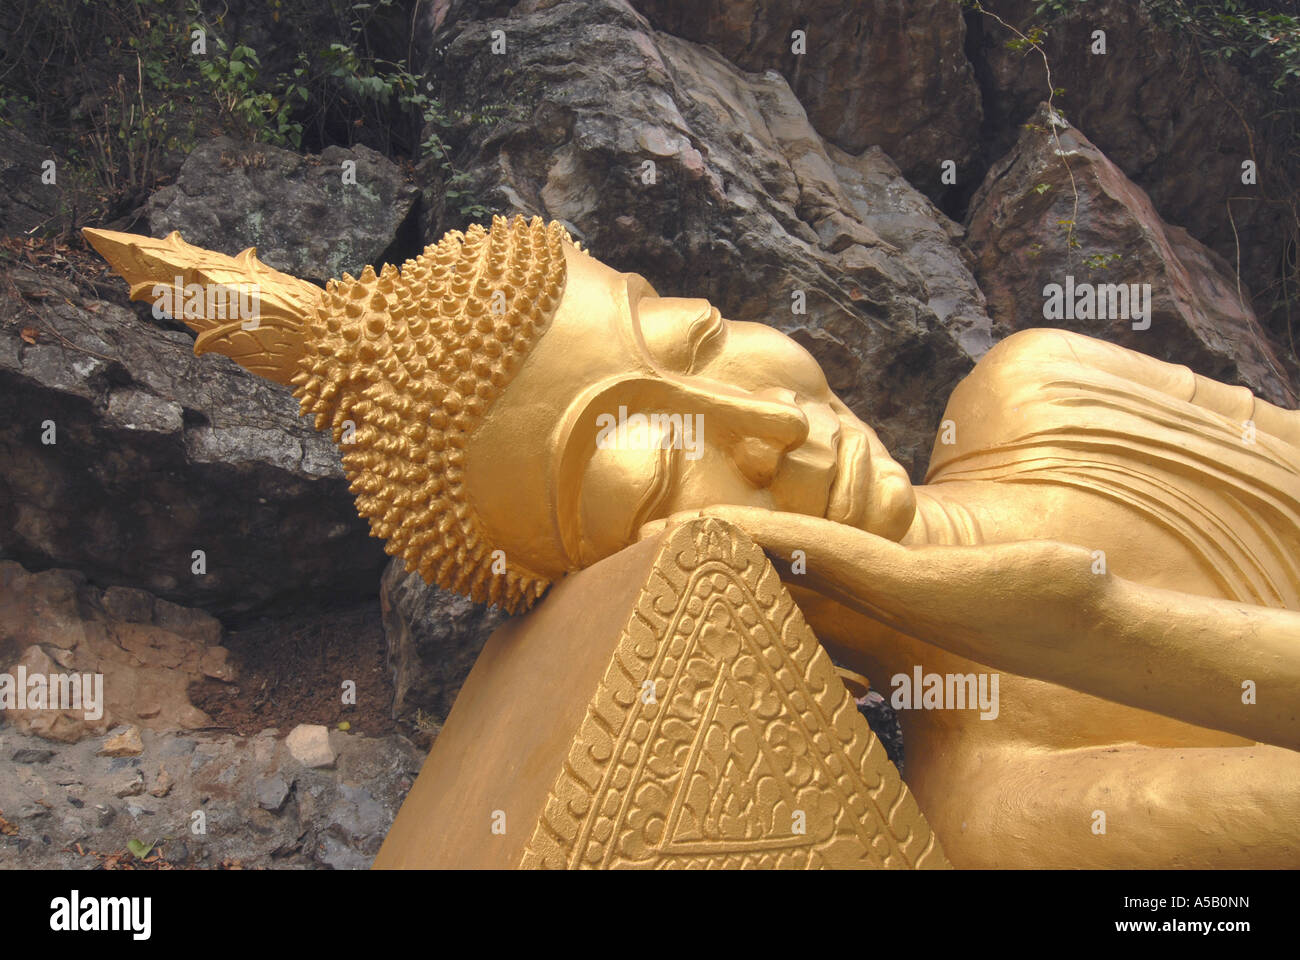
632,407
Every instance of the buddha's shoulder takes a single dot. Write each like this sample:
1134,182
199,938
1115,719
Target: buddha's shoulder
1041,383
1029,359
1042,345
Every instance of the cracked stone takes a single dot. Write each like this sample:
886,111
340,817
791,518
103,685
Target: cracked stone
271,793
125,744
128,785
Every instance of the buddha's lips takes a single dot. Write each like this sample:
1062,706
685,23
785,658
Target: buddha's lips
847,502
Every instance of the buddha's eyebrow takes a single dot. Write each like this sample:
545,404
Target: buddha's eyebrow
704,329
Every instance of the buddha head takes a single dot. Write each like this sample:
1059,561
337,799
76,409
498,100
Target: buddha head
511,409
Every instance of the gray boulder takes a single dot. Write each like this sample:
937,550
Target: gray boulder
27,204
157,454
1019,233
300,212
873,73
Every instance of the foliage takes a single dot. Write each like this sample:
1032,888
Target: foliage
341,76
118,88
349,82
1226,29
257,112
1230,30
1100,261
109,81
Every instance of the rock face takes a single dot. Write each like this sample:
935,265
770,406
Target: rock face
260,807
1019,233
887,73
156,454
434,637
26,204
669,161
1170,119
305,214
147,650
906,218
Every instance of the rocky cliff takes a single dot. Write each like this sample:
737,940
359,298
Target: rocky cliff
883,180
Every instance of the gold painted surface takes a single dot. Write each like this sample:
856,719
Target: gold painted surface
514,721
272,349
720,725
1123,682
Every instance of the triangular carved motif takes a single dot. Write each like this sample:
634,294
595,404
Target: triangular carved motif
732,795
721,736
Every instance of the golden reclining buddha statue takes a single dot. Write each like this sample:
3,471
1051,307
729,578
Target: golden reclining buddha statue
1113,537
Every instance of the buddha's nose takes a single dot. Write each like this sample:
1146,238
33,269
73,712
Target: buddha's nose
757,427
758,460
762,428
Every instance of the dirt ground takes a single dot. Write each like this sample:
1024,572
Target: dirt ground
292,671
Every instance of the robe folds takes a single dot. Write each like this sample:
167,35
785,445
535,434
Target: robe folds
1187,454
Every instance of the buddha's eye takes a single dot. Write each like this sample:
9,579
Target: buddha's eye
680,333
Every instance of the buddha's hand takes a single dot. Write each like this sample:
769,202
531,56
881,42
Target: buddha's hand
780,534
972,596
868,572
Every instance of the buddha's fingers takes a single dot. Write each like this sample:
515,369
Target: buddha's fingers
864,571
788,535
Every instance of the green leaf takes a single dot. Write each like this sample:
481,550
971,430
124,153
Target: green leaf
139,849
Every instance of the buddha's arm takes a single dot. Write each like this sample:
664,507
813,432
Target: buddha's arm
1035,608
1221,807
